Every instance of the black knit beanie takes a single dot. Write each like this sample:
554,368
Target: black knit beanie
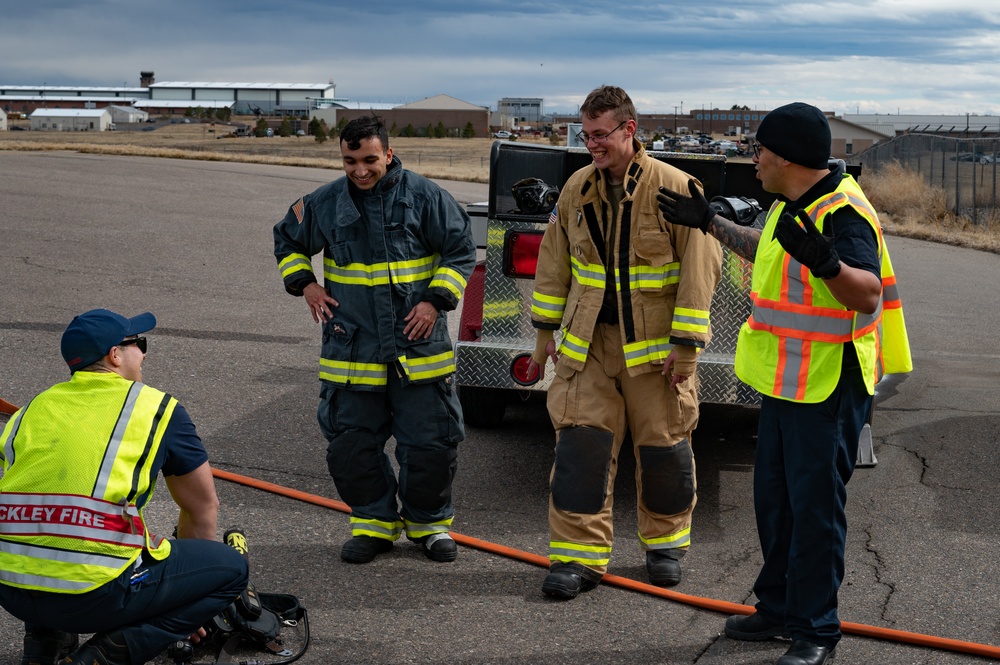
797,132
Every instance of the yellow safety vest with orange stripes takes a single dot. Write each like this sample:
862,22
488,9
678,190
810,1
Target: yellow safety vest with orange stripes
792,345
78,462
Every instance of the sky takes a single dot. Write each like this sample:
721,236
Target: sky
845,56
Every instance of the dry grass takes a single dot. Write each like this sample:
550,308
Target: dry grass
906,204
448,158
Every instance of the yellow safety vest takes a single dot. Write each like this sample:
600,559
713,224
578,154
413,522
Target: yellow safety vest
792,345
78,461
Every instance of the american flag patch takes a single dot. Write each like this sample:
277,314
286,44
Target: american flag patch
552,215
297,209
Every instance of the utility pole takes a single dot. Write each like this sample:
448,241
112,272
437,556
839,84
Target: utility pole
675,120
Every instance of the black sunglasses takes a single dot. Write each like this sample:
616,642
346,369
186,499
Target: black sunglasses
138,341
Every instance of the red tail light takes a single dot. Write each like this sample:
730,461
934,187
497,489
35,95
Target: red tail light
520,253
519,371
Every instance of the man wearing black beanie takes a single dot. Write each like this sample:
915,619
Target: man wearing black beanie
812,348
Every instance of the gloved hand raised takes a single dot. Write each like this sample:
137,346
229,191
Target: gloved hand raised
807,245
692,211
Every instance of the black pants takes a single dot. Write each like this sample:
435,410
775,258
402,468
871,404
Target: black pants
805,455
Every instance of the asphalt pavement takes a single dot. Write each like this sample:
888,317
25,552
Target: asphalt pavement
191,241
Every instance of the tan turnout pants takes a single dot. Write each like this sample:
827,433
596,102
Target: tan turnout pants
590,411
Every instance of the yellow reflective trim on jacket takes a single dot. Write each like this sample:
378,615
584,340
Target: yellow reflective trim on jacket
550,307
574,347
681,538
452,280
378,274
344,373
647,350
421,369
294,263
690,320
653,277
588,555
586,275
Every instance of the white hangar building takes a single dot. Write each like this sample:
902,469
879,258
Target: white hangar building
244,98
71,120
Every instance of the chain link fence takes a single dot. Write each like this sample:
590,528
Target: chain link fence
964,168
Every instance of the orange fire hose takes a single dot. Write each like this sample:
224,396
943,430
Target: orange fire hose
863,630
888,634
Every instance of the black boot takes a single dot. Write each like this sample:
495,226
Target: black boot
439,547
806,653
753,627
101,649
664,566
566,581
362,549
43,646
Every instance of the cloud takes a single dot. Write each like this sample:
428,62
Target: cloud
917,56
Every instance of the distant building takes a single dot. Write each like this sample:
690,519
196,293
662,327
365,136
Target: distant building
518,112
121,115
964,126
71,120
454,114
245,98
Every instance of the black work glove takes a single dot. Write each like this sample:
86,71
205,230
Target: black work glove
807,245
692,211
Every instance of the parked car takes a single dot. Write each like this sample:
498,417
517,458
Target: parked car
502,134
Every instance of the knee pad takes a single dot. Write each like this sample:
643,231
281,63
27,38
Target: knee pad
668,484
580,478
355,462
426,484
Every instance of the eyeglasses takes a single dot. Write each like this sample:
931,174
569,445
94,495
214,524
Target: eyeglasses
586,138
755,146
138,341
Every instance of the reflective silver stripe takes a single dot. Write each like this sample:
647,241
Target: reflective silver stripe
638,353
574,347
90,503
117,436
412,271
71,516
43,581
425,368
793,365
651,277
803,323
449,279
357,273
586,275
580,555
8,444
862,321
294,263
73,531
890,292
110,563
368,528
63,556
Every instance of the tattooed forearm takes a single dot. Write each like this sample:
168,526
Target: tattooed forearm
741,239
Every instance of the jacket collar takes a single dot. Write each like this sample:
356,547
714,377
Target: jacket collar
633,175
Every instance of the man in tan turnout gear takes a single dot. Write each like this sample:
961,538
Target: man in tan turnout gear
631,294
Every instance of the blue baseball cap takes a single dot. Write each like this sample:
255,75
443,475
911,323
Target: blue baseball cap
91,335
